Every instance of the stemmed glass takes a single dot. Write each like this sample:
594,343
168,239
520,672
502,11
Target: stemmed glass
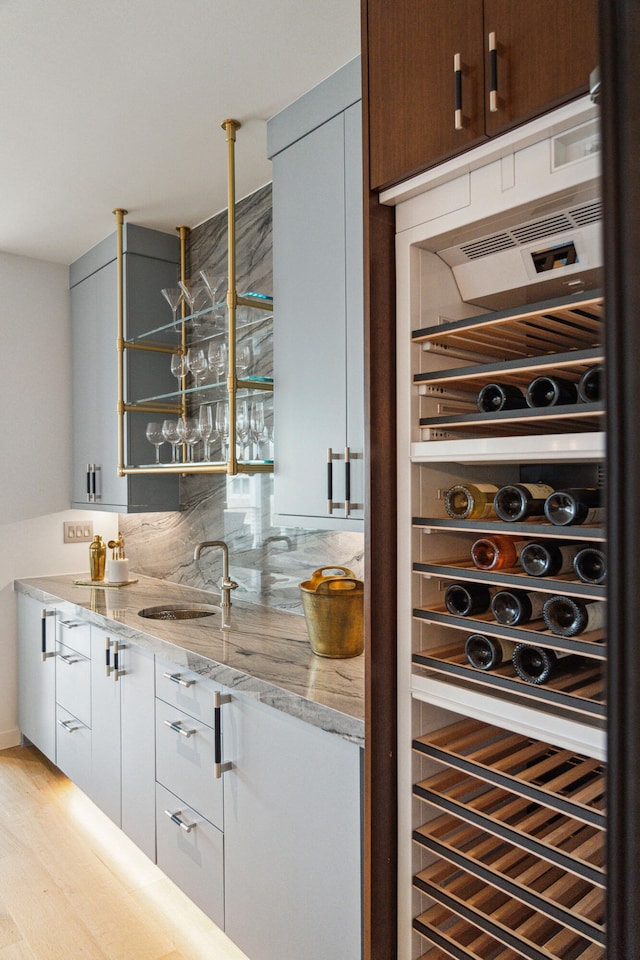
215,287
242,426
197,362
256,425
222,425
170,434
178,367
154,436
205,428
187,428
193,294
217,358
173,296
244,357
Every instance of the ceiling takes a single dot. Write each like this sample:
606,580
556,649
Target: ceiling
118,103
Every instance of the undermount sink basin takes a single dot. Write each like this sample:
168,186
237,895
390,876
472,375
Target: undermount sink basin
176,611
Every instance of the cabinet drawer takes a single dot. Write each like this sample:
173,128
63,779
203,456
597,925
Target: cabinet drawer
186,690
73,747
184,761
74,633
73,682
191,853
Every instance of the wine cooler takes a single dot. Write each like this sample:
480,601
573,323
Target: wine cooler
502,556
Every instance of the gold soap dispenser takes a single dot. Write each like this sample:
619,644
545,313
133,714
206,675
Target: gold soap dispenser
97,557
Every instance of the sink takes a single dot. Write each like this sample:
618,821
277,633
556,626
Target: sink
176,611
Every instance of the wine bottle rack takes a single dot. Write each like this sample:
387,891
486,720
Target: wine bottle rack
534,527
566,583
517,827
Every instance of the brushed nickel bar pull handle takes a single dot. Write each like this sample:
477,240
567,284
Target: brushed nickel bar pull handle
69,624
347,481
44,614
89,475
493,73
218,766
67,725
329,480
183,824
176,725
457,76
178,678
67,658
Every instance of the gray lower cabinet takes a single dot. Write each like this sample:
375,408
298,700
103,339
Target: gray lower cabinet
150,263
37,673
292,833
123,736
73,700
316,149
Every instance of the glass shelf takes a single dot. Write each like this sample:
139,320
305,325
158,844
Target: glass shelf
259,301
246,387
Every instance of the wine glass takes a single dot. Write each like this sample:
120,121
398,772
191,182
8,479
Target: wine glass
215,287
242,426
197,362
178,367
244,357
256,424
205,428
154,436
217,358
222,425
187,428
170,434
193,293
173,296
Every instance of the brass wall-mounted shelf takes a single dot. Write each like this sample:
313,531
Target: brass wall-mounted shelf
176,403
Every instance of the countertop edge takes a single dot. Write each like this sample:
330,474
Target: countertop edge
317,714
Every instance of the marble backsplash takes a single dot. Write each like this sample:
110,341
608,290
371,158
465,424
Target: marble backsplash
267,561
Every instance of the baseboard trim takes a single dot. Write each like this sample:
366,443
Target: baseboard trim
9,738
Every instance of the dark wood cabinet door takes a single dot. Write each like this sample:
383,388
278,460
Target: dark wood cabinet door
411,84
545,53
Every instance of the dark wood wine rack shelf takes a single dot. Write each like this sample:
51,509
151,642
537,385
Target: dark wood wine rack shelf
549,327
458,938
534,527
575,417
585,644
465,570
580,689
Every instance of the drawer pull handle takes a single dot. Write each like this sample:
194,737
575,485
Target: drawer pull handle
69,624
177,726
178,678
68,725
218,766
67,658
183,824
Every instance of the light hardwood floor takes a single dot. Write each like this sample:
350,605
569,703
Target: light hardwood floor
73,887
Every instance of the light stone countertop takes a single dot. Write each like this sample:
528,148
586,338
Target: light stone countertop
265,652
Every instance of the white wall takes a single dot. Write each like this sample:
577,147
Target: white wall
35,439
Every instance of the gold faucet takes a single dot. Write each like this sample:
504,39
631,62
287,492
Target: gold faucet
226,584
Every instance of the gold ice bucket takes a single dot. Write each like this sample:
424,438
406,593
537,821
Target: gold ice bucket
334,610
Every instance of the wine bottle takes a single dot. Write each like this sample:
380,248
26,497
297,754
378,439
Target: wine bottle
590,564
465,599
574,505
487,653
496,553
540,559
538,664
590,384
551,392
517,501
500,396
470,501
568,616
512,607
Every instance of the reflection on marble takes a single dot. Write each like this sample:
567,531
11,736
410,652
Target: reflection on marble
267,561
264,654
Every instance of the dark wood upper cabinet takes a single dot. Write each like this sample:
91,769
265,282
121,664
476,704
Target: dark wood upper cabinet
544,53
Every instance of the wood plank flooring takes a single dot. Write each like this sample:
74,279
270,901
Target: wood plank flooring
73,887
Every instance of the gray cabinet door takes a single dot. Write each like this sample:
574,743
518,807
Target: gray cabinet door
318,345
37,678
292,834
105,786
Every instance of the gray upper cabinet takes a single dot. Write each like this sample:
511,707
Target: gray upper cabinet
316,148
150,263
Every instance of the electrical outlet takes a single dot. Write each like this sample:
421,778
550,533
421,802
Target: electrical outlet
77,532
